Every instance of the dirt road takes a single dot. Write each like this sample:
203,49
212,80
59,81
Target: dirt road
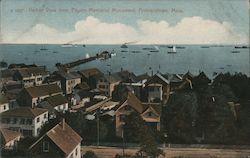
110,152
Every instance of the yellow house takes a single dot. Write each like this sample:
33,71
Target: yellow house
150,112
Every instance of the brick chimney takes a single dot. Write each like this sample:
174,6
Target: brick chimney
63,123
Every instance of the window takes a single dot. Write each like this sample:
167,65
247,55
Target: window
22,121
76,151
151,89
8,120
150,114
4,107
38,120
45,146
45,116
29,121
14,120
37,131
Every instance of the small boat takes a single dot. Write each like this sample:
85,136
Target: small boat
83,45
43,48
54,52
148,48
240,47
66,45
180,47
124,46
173,50
235,51
124,51
204,46
154,51
135,51
113,53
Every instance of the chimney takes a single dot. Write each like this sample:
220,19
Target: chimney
63,123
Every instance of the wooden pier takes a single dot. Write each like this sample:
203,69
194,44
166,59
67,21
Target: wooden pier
65,67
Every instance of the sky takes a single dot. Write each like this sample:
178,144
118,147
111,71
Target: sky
124,21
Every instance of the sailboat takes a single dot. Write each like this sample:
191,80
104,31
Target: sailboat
43,48
173,50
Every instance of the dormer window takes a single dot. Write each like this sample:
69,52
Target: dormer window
45,146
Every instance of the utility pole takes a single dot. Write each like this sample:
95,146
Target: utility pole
123,144
98,125
1,36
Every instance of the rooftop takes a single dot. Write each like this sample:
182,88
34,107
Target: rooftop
3,99
43,90
68,75
90,72
24,112
63,136
56,100
30,71
8,135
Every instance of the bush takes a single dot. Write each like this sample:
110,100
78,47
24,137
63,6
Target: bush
89,154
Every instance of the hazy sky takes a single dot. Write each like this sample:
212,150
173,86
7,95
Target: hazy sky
120,21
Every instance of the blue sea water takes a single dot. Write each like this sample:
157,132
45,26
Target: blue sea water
193,58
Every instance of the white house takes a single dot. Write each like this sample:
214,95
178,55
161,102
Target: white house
4,104
31,76
56,103
25,120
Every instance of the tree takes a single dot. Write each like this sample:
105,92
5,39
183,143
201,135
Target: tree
136,129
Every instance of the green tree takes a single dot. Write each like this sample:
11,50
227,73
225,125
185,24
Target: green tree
136,128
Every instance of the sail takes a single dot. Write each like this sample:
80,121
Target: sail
174,49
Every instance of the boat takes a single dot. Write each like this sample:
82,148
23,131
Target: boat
135,51
124,51
43,48
204,46
124,46
154,51
173,50
83,45
240,47
180,47
148,48
235,51
66,45
113,53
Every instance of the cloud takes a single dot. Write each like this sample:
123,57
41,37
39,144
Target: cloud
189,30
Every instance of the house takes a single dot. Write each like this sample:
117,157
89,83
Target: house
60,141
4,104
9,138
201,80
6,75
54,104
82,97
31,76
127,76
150,113
91,76
107,83
68,80
53,79
25,120
11,91
158,88
31,96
